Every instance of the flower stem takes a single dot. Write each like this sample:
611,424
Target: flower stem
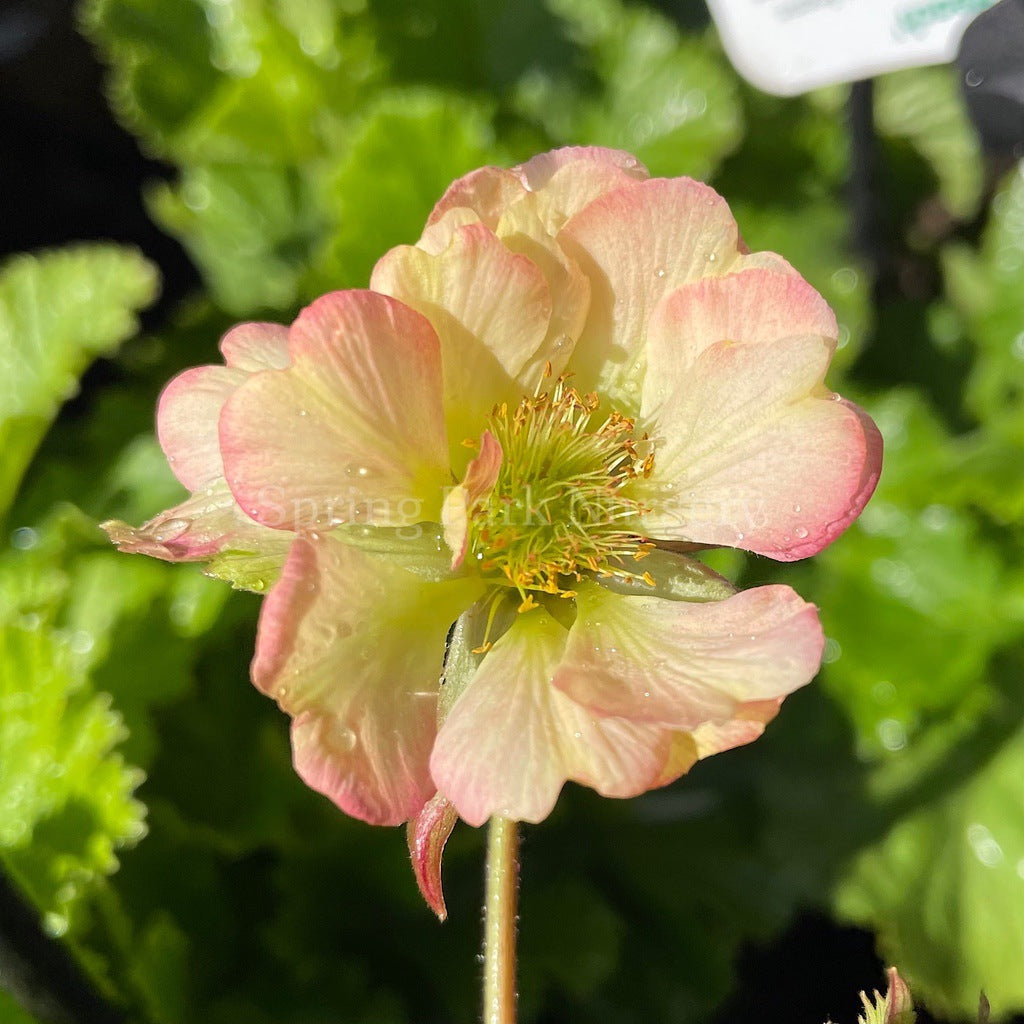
500,922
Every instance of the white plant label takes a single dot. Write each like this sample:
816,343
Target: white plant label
789,46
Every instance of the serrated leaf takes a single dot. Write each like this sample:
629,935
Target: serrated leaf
249,228
58,312
957,927
988,289
66,797
670,100
407,150
915,598
203,81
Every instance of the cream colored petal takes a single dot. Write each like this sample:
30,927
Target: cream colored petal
753,306
490,308
481,475
352,431
636,244
352,648
511,740
683,664
753,452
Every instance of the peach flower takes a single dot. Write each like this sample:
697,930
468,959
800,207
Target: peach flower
575,376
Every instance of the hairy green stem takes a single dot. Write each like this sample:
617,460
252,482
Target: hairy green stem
500,922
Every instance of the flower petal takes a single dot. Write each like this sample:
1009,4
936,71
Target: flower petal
352,431
202,526
189,408
682,664
427,835
481,475
636,244
563,181
352,647
754,306
187,422
522,231
511,740
256,346
754,452
486,191
746,725
490,308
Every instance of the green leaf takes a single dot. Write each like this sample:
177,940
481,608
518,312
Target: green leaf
249,228
925,106
669,100
987,287
58,311
944,888
65,795
202,81
408,149
11,1012
915,598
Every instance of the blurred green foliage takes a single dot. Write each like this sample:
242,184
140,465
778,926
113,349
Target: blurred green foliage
308,136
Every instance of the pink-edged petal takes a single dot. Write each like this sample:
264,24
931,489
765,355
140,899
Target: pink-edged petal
755,306
511,740
636,244
438,236
753,452
620,167
352,431
256,346
187,422
427,835
746,725
563,181
352,647
682,664
522,231
490,308
202,526
189,409
480,477
486,191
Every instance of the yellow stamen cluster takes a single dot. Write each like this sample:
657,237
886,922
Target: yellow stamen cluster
561,504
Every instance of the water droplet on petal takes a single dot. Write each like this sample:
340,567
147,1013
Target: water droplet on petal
712,257
801,532
796,508
342,739
973,78
660,272
577,735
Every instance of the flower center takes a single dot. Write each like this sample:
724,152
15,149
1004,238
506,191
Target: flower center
561,504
